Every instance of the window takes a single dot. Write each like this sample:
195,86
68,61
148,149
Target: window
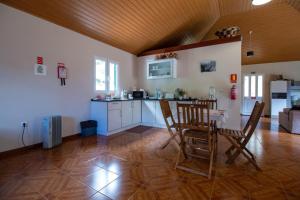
112,77
100,75
253,86
260,86
246,86
106,75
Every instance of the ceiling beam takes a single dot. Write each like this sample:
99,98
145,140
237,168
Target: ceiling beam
191,46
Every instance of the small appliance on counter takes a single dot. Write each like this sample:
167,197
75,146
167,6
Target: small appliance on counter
139,94
169,95
159,93
124,94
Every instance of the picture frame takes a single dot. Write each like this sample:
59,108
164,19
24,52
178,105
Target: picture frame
208,66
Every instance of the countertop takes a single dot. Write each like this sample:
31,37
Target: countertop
151,99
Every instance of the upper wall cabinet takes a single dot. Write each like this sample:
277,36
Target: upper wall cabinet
165,68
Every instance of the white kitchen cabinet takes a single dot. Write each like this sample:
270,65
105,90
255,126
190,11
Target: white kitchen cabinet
159,118
136,112
114,119
117,116
126,113
131,112
148,112
164,68
109,116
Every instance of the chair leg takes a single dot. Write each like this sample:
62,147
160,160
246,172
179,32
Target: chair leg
183,149
228,151
248,151
211,162
237,146
177,158
173,137
231,148
239,150
182,146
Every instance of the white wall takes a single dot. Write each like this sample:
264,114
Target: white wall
26,97
289,70
228,59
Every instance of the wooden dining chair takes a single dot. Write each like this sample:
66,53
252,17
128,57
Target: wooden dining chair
170,122
240,138
213,103
196,133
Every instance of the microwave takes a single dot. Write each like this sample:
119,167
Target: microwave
137,94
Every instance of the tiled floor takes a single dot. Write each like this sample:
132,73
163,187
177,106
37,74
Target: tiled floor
131,166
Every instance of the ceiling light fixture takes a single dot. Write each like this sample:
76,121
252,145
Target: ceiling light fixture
250,52
260,2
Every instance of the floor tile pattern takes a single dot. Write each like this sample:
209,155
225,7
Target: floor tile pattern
131,166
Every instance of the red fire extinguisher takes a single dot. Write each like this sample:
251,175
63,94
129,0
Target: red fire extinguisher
233,93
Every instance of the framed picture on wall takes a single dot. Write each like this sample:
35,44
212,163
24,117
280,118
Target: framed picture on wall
208,66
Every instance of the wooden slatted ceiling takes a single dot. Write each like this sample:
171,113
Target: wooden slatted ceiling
139,25
295,4
275,37
229,7
130,25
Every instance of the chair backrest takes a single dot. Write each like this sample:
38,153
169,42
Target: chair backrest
167,113
213,103
253,119
193,116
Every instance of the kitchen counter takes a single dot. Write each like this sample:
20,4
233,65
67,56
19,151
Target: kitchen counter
144,99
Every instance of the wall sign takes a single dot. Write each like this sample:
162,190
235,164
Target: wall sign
39,67
62,73
233,78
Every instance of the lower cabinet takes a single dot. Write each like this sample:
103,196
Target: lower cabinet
151,114
113,117
131,112
159,118
136,112
114,120
148,112
126,113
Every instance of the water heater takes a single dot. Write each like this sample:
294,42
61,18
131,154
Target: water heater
51,131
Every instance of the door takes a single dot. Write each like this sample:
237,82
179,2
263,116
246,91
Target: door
252,92
136,112
148,112
126,113
114,119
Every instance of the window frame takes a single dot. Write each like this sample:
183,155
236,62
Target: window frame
116,65
107,75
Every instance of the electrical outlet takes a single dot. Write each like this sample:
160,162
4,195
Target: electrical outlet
24,124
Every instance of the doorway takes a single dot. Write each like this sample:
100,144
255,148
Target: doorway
252,92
